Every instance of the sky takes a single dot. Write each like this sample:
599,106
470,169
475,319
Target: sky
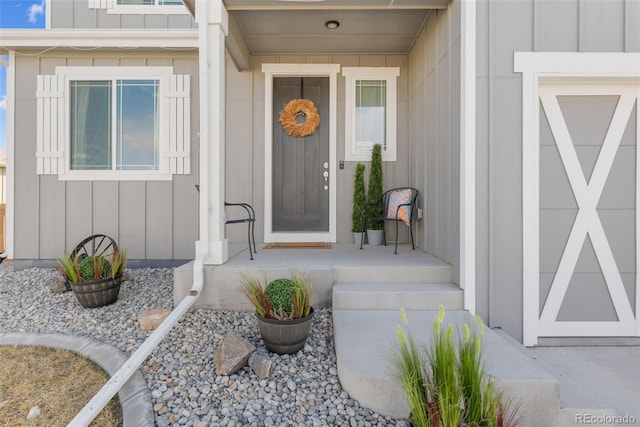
16,14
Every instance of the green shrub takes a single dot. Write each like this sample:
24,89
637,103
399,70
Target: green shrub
358,199
279,292
281,299
89,264
374,205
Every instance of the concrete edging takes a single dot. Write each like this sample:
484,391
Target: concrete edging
135,398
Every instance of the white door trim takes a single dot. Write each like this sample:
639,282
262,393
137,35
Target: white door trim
551,67
299,70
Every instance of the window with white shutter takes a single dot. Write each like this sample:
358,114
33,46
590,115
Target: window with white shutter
50,125
144,7
114,123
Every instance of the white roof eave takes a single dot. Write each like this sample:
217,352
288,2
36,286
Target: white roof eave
99,38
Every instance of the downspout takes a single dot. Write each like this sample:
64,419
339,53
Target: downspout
122,375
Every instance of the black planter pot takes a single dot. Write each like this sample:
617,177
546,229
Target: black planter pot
285,336
97,293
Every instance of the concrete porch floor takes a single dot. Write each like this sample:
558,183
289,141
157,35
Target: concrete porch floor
340,255
344,262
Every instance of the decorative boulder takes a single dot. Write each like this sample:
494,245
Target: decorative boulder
151,319
261,365
233,354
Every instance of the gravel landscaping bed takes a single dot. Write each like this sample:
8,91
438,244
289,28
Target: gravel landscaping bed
185,389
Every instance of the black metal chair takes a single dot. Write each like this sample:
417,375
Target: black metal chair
398,205
250,219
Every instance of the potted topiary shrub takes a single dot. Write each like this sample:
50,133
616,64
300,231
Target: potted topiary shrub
283,309
94,278
357,221
374,207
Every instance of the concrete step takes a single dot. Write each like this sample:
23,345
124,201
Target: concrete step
364,340
438,272
394,295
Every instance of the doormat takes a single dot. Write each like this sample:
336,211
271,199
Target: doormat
298,245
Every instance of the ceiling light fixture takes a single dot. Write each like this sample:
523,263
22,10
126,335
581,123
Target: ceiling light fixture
332,25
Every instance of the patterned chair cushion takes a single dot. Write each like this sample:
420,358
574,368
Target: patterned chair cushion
397,198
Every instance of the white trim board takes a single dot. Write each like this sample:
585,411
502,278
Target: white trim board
294,70
100,38
584,73
468,154
11,169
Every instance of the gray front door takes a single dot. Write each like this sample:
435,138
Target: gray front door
300,187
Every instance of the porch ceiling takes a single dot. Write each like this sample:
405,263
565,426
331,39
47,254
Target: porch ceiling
303,31
262,27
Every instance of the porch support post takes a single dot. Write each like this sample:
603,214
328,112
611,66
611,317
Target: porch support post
212,21
468,153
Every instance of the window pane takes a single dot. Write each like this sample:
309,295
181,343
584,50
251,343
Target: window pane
170,2
90,125
137,130
371,114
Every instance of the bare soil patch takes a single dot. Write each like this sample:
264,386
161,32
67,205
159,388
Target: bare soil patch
60,382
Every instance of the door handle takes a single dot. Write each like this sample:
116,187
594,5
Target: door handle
325,174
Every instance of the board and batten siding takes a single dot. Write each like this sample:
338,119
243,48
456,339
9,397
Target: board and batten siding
505,27
154,220
434,132
78,14
245,137
428,134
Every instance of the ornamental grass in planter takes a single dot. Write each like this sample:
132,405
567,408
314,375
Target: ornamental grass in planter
283,309
446,383
94,279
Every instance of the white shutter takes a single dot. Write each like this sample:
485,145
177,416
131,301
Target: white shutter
50,125
179,125
101,4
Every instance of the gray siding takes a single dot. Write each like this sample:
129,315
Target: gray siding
428,135
502,28
588,121
245,138
76,14
153,220
434,132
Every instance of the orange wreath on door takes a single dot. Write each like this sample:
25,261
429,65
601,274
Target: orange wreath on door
300,107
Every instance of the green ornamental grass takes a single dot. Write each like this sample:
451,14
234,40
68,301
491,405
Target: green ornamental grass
281,299
446,383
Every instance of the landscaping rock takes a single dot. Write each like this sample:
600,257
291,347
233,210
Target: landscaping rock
151,319
233,354
261,365
58,287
